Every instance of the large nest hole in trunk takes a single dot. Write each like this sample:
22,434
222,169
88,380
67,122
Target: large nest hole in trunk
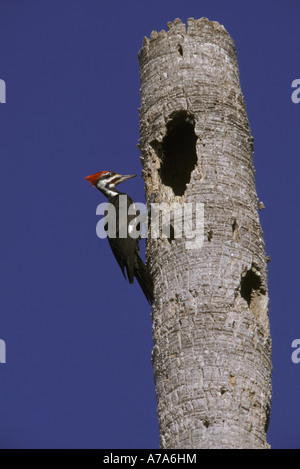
178,152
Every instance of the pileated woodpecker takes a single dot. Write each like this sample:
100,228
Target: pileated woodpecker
126,249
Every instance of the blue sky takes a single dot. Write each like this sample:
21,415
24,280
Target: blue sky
78,337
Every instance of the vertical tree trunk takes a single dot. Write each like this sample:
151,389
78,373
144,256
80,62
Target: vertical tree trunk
212,346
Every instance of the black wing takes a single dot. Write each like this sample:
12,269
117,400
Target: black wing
123,248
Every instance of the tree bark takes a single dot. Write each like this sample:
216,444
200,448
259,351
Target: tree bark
212,346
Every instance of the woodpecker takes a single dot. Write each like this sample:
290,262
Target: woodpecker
126,249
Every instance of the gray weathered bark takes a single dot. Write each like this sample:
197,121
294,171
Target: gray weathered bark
212,346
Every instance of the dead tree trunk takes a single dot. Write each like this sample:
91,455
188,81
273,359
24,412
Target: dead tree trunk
212,345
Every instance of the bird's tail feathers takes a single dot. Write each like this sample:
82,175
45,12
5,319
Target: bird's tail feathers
142,275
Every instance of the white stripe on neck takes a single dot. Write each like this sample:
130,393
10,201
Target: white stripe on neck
108,191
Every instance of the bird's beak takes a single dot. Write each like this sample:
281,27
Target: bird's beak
124,178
